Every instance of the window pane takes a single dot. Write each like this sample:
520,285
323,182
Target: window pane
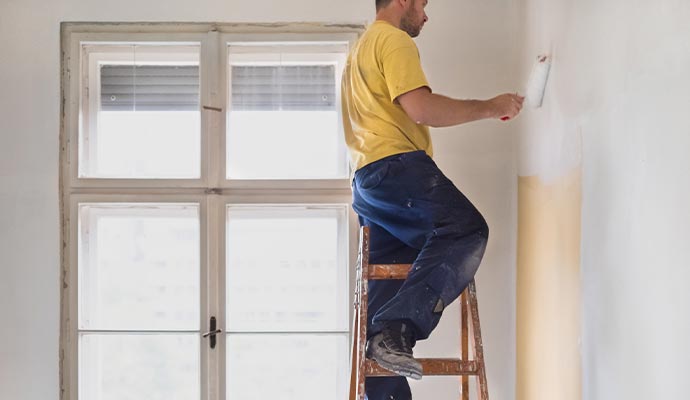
148,144
135,367
139,266
284,113
304,367
284,145
141,112
286,269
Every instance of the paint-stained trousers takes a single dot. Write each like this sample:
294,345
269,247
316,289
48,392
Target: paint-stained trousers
416,216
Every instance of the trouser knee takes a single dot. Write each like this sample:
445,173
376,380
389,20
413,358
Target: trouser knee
483,228
465,226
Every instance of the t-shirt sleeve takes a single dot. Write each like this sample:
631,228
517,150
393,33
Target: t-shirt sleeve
402,70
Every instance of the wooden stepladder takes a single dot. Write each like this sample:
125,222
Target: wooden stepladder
361,367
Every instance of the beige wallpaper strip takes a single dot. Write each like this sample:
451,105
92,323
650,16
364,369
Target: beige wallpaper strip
548,289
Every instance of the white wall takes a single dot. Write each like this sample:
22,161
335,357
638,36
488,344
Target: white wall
617,102
467,50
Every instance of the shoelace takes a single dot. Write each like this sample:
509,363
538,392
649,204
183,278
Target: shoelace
400,344
405,339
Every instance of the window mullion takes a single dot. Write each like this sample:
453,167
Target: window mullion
213,117
212,107
212,369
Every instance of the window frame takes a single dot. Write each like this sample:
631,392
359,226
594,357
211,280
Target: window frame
212,192
74,35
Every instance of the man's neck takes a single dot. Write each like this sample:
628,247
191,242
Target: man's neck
388,16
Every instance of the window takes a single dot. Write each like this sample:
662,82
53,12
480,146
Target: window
295,292
205,188
138,298
137,100
283,96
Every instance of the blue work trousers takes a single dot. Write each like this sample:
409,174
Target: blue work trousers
416,216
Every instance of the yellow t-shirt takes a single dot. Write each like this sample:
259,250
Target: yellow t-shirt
383,64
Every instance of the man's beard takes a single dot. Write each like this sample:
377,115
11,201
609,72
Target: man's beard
407,25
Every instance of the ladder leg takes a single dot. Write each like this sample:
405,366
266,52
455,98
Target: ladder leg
464,345
482,388
361,343
363,305
353,356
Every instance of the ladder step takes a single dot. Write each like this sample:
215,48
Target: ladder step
389,271
431,366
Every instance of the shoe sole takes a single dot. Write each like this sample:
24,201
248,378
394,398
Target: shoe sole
395,368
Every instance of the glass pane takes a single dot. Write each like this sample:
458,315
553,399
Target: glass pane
304,367
139,266
141,113
283,117
284,145
136,367
147,144
286,269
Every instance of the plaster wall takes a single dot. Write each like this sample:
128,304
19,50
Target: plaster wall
615,112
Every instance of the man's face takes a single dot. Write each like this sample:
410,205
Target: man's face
414,18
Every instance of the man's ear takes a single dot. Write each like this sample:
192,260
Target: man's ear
403,3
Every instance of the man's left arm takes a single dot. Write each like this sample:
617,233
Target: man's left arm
436,110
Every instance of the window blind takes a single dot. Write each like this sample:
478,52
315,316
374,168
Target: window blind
149,88
293,87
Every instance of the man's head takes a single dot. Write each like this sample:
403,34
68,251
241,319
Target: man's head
409,12
381,3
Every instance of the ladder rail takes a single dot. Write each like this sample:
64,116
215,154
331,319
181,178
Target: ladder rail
363,288
464,344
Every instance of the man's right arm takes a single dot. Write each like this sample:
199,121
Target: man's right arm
435,110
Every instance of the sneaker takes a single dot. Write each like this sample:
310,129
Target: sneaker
392,350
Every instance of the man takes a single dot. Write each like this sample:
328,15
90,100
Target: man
416,215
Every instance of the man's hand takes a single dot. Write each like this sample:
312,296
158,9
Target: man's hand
506,106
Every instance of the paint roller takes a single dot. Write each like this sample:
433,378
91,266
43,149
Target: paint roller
536,85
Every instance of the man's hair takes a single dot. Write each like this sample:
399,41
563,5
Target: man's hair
381,3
